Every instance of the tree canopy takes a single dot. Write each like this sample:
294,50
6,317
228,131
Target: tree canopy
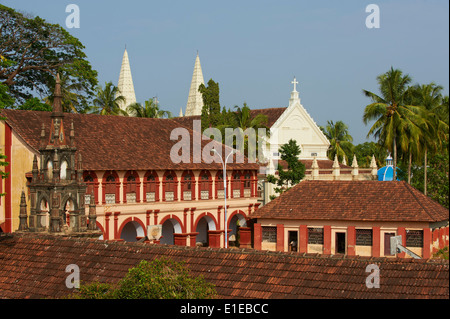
32,52
158,279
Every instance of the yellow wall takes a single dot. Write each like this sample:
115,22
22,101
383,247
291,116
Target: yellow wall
20,163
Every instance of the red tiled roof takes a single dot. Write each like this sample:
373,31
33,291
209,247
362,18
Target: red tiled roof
114,142
354,200
33,266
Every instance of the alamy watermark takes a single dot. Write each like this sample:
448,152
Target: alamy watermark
373,280
373,19
73,19
73,279
234,139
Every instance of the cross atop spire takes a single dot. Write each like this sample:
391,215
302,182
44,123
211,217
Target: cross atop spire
295,82
294,94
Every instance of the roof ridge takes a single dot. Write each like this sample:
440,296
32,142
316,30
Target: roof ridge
408,187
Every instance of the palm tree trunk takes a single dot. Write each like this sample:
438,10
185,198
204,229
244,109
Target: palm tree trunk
425,173
395,158
409,167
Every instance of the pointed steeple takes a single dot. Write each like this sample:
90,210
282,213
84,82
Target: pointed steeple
195,101
181,112
125,84
57,136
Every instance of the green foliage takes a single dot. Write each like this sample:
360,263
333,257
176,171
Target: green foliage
295,171
211,104
159,279
442,253
107,100
34,104
33,51
150,110
366,150
437,176
340,140
6,100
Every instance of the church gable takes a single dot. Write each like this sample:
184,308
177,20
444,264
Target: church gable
296,123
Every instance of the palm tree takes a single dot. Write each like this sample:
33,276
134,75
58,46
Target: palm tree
434,129
150,109
107,100
71,100
244,120
393,118
340,139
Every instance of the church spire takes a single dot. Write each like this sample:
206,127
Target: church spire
125,84
195,101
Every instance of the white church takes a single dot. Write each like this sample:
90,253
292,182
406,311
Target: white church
285,123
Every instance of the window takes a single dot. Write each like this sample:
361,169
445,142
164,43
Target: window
110,190
269,234
364,237
151,191
187,187
170,187
220,192
247,185
236,185
414,238
204,186
315,236
131,189
89,180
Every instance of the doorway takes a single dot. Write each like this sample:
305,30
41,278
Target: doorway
340,243
293,240
387,243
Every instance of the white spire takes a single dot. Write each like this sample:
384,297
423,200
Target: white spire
195,101
294,94
125,84
181,112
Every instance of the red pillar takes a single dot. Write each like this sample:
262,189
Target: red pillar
327,240
214,238
193,239
351,241
7,227
245,237
180,239
441,237
376,241
303,239
401,231
257,236
280,237
426,250
434,238
107,216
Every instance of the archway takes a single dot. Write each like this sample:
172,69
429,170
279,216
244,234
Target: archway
236,221
131,231
204,225
169,228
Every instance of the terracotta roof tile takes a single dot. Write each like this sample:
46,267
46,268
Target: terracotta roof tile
354,200
235,273
114,142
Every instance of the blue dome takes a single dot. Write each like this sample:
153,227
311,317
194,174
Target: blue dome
387,173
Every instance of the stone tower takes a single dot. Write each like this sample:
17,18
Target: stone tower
195,101
125,84
57,189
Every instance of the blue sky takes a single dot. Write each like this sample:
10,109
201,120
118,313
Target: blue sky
254,48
